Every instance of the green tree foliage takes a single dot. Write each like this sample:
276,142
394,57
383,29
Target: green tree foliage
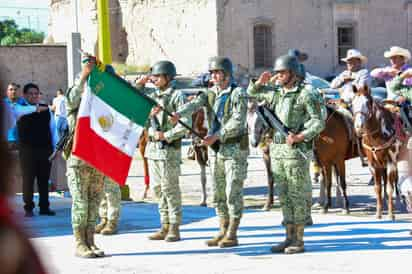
10,34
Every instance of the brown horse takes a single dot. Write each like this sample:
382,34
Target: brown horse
376,126
332,147
200,151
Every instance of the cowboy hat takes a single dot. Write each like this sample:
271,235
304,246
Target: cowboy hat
354,53
397,51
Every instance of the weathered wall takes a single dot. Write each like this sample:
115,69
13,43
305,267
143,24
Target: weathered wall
311,25
61,24
41,64
181,31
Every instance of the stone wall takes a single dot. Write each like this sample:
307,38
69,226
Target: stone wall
312,27
181,31
44,65
62,23
188,32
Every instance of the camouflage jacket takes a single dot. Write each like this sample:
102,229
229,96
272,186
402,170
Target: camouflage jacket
298,109
73,99
233,122
170,99
399,88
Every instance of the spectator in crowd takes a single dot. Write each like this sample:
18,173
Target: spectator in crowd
354,75
37,137
60,114
399,58
12,99
15,107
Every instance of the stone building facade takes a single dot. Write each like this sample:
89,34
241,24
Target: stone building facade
251,32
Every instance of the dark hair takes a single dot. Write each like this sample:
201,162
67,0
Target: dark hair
60,91
29,86
14,84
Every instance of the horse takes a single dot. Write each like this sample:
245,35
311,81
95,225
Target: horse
332,147
379,129
144,138
200,151
256,132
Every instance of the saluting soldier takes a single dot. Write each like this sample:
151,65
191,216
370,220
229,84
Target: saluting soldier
164,147
296,106
85,182
226,108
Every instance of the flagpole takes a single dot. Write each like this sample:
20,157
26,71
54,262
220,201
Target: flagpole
103,16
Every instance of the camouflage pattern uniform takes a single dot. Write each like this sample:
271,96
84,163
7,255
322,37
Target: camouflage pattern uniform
230,167
85,184
300,111
164,163
109,210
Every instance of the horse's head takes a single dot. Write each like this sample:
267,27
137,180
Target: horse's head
362,107
255,125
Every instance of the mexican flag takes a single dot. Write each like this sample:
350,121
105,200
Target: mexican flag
110,121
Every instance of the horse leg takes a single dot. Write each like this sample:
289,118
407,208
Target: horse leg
342,184
338,189
142,148
384,180
322,191
393,179
203,180
377,176
269,199
327,180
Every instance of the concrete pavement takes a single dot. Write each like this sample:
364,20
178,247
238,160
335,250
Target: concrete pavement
335,244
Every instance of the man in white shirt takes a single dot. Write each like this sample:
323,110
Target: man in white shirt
60,113
354,75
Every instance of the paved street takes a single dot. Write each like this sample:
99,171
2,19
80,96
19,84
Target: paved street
335,244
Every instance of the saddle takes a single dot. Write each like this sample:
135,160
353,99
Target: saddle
403,118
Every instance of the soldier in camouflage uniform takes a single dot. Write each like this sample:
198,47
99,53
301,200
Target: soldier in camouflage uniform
164,148
296,106
85,183
226,108
109,210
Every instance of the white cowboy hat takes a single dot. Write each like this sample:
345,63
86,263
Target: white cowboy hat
397,51
354,53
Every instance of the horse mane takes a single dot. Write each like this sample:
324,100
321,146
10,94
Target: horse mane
385,118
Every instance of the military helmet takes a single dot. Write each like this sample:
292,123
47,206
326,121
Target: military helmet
164,67
221,63
286,62
302,71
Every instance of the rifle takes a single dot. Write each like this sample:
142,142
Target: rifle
60,144
156,126
274,122
155,103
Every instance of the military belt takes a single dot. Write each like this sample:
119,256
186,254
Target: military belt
279,139
242,139
175,144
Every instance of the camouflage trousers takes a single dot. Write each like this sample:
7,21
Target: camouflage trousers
295,189
228,177
86,187
166,188
110,204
